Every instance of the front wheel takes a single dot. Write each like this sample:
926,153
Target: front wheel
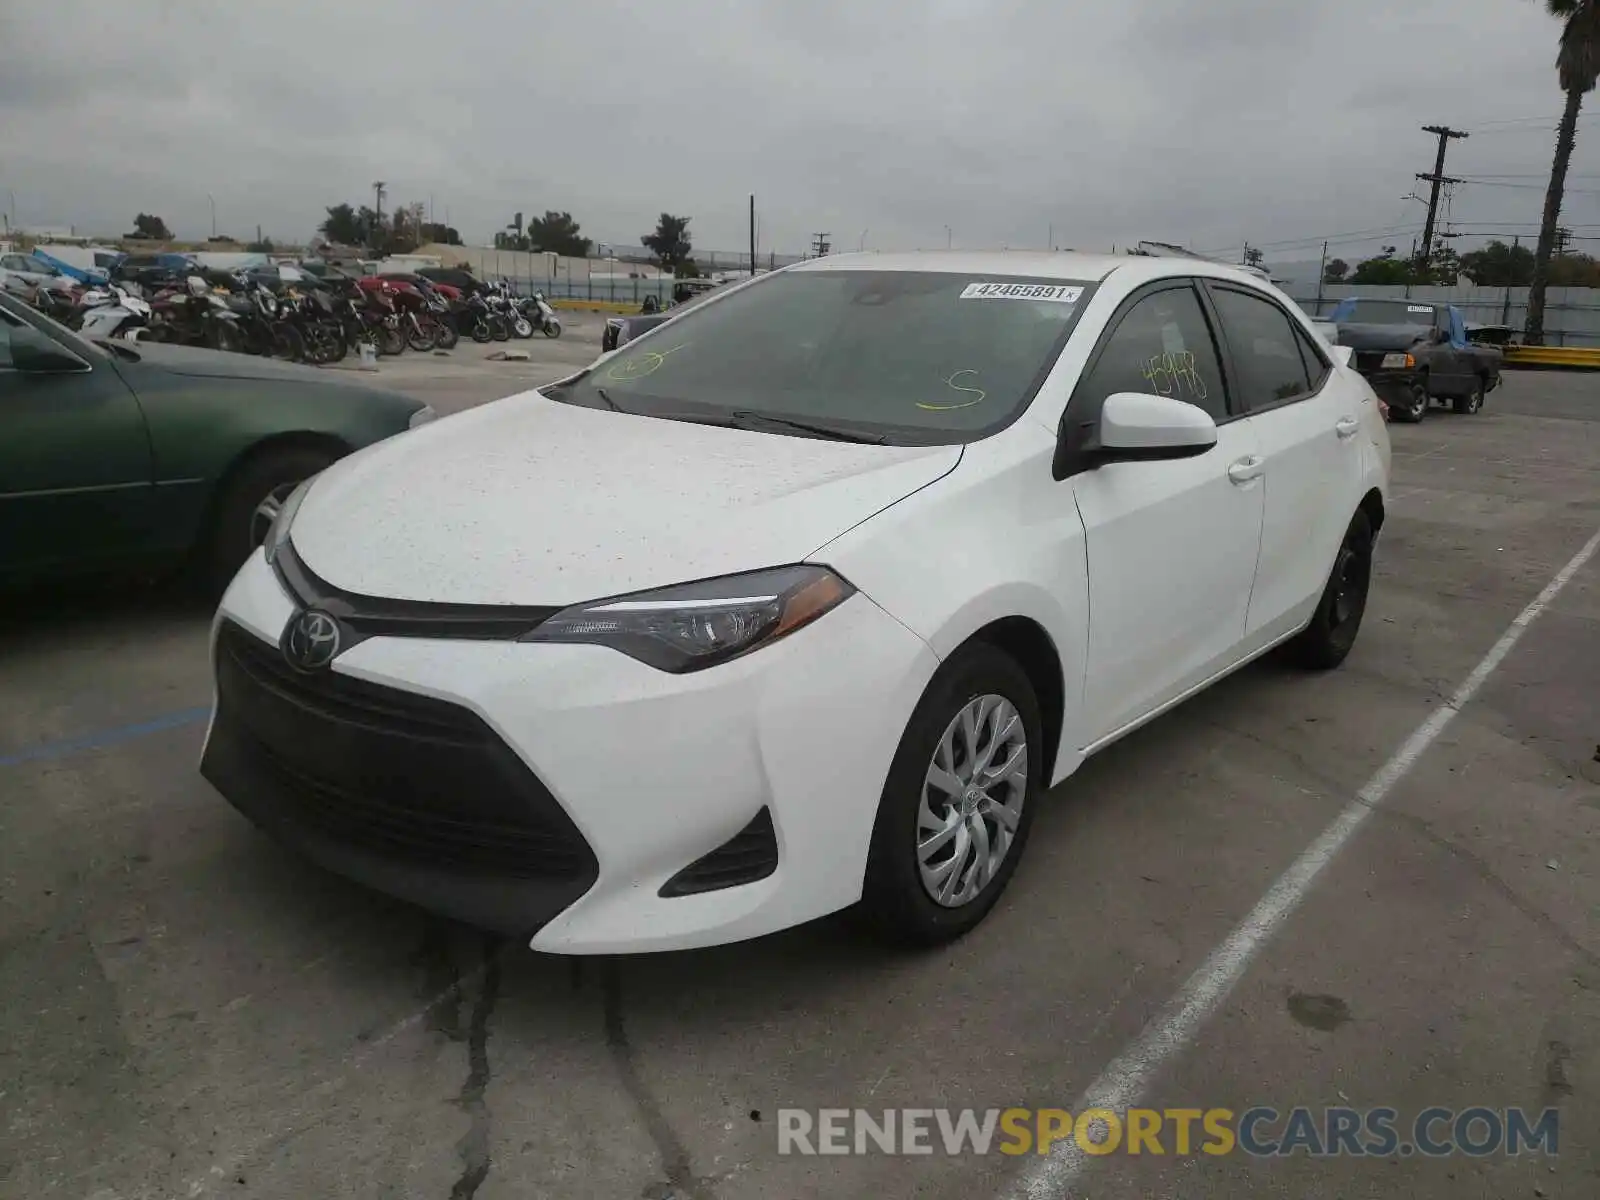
223,336
1415,405
420,337
552,328
499,328
958,803
1326,642
1473,400
449,335
522,327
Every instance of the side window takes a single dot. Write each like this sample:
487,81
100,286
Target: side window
1317,367
1163,346
1265,352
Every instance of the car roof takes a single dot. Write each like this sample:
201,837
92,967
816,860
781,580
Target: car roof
1037,263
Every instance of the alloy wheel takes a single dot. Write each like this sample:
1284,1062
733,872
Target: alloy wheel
972,798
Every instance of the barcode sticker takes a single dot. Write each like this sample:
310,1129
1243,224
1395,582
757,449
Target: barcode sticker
1048,292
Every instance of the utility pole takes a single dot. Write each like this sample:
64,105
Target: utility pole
820,244
377,193
1505,304
1437,179
1322,276
752,235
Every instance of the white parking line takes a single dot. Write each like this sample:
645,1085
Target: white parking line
1124,1083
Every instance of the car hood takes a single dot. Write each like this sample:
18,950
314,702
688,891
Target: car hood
1380,337
531,501
221,364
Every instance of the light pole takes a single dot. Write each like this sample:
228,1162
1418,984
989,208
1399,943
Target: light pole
947,237
213,200
862,244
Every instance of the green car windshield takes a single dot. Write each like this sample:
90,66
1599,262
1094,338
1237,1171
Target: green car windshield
913,357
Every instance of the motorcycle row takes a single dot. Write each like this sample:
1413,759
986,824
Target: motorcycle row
313,321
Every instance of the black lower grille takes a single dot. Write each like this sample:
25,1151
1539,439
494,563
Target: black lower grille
747,856
1370,360
401,775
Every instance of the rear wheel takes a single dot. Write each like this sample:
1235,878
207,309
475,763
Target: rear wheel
1473,400
448,334
499,328
481,331
958,803
248,504
1326,642
552,328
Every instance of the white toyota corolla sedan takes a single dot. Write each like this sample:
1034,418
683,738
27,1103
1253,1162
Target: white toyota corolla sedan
801,601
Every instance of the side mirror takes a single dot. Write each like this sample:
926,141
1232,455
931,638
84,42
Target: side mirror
32,353
1136,427
1341,355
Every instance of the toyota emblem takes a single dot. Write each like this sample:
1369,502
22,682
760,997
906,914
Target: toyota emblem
311,641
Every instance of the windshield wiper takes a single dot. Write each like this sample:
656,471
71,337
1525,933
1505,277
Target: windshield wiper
744,416
609,402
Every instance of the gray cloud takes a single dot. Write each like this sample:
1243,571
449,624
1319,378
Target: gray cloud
1005,120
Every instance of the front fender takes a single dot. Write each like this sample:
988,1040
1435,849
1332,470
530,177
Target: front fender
996,538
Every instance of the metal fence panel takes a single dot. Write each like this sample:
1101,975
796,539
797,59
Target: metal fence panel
1571,315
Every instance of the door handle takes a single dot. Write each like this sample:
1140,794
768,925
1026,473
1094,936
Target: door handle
1247,469
1346,427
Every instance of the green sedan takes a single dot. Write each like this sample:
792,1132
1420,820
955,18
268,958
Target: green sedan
117,456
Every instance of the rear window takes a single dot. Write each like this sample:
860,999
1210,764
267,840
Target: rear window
914,356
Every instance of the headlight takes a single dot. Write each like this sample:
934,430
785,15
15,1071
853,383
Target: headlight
422,416
698,625
278,533
1398,362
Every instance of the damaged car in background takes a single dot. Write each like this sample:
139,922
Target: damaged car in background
1415,354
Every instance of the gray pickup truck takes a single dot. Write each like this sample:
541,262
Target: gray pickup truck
1415,353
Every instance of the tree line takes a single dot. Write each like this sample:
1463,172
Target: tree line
1498,264
558,233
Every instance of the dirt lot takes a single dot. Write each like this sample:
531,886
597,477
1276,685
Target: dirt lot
190,1011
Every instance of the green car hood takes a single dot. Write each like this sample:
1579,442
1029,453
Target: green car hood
220,364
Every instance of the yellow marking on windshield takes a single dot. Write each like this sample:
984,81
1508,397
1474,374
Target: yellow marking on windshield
646,364
951,383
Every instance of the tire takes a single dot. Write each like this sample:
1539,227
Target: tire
1327,641
288,343
481,331
552,328
521,327
1472,402
420,336
1414,408
499,328
239,522
897,904
223,336
390,340
448,335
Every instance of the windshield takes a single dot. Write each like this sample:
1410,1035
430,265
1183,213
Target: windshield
1392,312
902,356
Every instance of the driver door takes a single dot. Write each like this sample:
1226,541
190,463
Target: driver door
1172,545
76,479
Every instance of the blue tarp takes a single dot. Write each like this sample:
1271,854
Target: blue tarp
94,275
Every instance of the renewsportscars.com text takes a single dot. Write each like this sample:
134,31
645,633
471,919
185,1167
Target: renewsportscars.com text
1261,1132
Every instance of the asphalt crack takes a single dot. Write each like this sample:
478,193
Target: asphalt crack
679,1182
474,1144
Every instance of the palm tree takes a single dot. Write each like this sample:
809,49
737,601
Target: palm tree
1578,68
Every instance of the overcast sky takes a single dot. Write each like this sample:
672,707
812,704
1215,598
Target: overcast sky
1272,121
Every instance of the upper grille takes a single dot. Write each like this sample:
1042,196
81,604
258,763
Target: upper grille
402,774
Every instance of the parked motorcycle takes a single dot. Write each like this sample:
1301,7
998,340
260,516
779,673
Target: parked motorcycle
194,316
484,322
114,311
547,322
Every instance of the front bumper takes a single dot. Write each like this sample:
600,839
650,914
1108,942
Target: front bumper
604,778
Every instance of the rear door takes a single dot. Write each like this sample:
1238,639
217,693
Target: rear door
76,474
1172,544
1306,427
